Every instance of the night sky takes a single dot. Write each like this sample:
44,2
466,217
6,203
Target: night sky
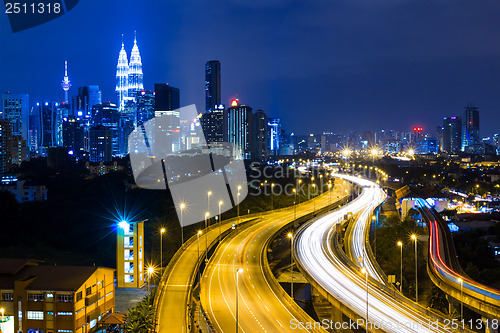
320,65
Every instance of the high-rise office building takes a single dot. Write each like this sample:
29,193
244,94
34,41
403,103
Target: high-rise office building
452,134
122,77
15,108
470,127
95,96
240,128
107,115
260,135
135,76
74,134
129,76
212,85
274,128
47,118
167,103
19,151
100,144
214,125
5,145
62,111
145,107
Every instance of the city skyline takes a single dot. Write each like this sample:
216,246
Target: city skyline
346,79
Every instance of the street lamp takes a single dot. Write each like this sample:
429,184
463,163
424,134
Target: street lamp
162,231
198,238
298,187
272,196
461,298
238,197
2,310
295,204
329,193
182,206
314,198
220,220
240,270
290,236
151,270
207,214
209,193
414,238
365,272
400,244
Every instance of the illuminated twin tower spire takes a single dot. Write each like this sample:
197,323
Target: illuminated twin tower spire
129,77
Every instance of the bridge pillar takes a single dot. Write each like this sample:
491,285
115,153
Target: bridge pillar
491,324
324,309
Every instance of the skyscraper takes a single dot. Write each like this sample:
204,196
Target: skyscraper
212,85
66,83
5,145
135,76
15,108
167,103
47,115
107,115
145,107
122,77
274,135
240,127
470,126
101,144
452,134
260,135
129,76
213,124
95,96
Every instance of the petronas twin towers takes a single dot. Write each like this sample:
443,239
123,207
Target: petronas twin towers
129,77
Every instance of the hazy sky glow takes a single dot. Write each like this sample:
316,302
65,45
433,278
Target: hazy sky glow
318,64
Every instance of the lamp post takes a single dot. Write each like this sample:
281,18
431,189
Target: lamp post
150,271
238,203
220,220
461,298
365,271
162,231
400,244
209,193
295,204
206,240
375,237
198,238
272,196
314,198
182,206
240,270
329,193
290,236
414,238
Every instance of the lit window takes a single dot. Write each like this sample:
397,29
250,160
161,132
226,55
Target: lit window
35,315
62,313
35,297
65,298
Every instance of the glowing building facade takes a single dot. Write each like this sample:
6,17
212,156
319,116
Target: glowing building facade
129,77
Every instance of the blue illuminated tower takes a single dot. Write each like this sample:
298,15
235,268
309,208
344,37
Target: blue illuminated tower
122,71
135,76
66,83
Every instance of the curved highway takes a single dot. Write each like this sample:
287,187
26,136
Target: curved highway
263,304
444,262
318,259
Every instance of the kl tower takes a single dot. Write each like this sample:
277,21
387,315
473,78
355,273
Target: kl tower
66,83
